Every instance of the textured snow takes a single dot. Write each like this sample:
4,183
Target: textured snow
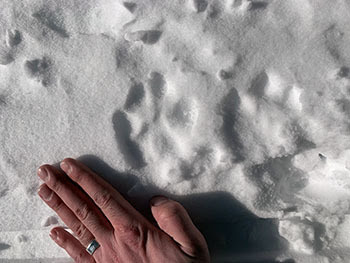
238,108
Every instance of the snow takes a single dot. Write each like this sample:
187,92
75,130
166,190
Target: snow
237,108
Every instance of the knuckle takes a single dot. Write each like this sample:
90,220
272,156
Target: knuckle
77,175
83,211
80,230
80,257
135,236
103,198
57,205
56,185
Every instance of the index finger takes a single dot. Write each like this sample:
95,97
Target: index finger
110,201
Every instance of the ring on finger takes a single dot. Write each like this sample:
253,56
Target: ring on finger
91,248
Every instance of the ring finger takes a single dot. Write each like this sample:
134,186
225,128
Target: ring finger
78,202
67,216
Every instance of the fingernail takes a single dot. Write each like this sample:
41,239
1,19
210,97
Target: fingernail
45,193
54,234
43,174
159,200
65,167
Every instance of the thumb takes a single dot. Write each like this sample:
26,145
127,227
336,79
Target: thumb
173,219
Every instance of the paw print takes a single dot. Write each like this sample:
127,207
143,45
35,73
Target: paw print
39,69
154,129
8,49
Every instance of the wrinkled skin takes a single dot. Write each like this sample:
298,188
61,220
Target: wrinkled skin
95,210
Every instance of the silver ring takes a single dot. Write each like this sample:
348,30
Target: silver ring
92,247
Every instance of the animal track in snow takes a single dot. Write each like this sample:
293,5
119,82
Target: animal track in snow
333,37
213,11
156,125
157,84
259,84
2,100
182,114
4,246
224,74
135,97
51,21
21,238
5,56
148,37
278,180
344,72
13,38
229,110
199,5
255,5
39,69
3,187
130,6
343,105
128,147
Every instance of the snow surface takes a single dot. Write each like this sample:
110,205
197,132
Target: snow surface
238,108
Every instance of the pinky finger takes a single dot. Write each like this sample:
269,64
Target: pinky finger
71,245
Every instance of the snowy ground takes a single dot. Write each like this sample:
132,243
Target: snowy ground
238,108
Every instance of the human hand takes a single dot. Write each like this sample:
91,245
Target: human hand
95,210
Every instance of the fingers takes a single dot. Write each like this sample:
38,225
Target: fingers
173,219
113,205
83,208
67,216
72,246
